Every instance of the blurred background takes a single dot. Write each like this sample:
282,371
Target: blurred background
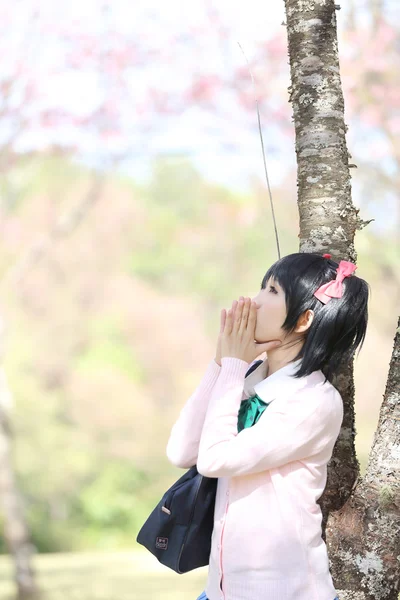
134,207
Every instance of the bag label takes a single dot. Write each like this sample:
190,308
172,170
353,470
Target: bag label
161,543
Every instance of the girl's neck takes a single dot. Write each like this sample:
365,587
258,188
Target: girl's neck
282,356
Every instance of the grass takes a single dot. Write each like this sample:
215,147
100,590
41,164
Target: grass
132,575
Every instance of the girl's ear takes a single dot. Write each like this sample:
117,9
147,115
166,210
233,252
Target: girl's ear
304,321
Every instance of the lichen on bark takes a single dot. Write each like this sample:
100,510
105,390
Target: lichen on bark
361,515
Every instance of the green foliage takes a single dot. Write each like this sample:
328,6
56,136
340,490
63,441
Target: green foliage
111,353
197,240
177,186
90,396
107,506
109,348
106,511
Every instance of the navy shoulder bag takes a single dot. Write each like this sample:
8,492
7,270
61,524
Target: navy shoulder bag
178,531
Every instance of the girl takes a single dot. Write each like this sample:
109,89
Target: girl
272,468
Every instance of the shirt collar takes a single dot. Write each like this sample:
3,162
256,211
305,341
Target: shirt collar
276,385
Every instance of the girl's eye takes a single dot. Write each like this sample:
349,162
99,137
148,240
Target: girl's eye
271,287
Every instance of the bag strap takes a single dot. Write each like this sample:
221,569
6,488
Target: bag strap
253,367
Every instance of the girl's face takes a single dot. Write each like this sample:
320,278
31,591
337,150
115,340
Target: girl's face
271,313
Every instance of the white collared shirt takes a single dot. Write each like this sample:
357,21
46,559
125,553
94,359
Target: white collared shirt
267,388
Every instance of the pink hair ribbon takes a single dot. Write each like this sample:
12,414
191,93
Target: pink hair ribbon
334,288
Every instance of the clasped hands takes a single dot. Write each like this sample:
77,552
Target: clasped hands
237,332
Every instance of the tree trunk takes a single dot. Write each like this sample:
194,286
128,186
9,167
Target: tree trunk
376,8
15,529
361,517
364,536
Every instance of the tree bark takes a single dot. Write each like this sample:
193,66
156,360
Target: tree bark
361,516
16,532
364,536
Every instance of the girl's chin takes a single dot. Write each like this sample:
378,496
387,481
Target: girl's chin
258,341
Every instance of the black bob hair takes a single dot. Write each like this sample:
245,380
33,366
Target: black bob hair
338,327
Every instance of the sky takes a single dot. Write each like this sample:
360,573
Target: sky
211,140
220,146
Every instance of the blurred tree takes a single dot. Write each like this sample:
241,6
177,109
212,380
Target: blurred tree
16,530
328,222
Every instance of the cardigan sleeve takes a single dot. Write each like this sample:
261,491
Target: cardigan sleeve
183,443
292,430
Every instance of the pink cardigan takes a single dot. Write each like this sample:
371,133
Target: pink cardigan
266,542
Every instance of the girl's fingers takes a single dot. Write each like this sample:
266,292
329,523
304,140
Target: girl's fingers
221,321
234,306
245,315
228,322
234,309
238,316
253,314
235,314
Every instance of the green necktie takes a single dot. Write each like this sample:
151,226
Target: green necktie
250,411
